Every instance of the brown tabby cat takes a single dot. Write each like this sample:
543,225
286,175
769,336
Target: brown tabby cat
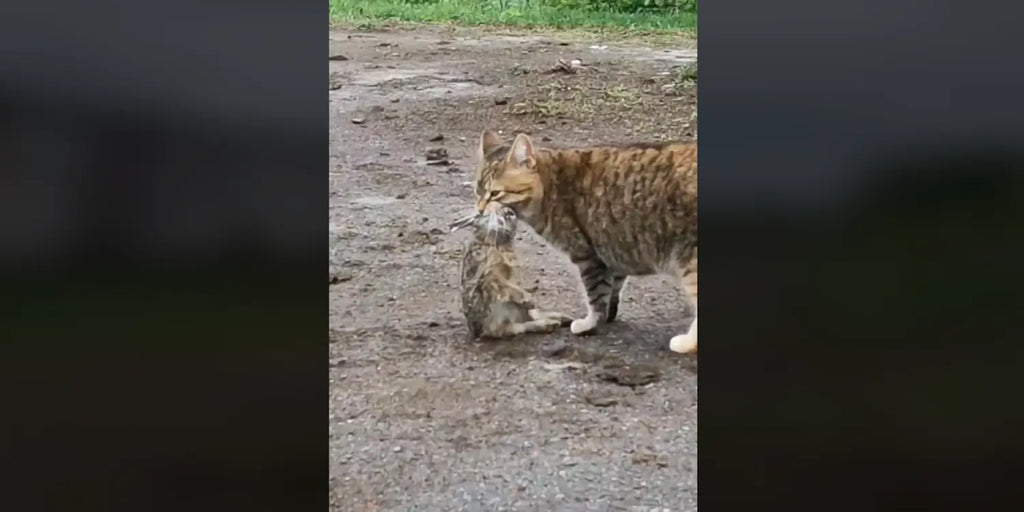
616,212
494,305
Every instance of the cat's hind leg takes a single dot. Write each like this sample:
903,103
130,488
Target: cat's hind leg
563,319
510,318
511,329
618,281
686,343
535,326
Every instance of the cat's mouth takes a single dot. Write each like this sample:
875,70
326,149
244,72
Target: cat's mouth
497,221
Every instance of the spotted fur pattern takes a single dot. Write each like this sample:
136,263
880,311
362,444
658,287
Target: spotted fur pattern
494,305
616,211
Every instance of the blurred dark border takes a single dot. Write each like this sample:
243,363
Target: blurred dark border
163,247
861,219
163,224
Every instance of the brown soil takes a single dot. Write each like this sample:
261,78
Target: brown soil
422,418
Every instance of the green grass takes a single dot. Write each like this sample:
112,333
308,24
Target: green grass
686,75
522,13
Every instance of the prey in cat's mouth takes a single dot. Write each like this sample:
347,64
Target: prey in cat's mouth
463,222
496,224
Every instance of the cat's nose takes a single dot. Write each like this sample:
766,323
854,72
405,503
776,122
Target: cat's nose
480,205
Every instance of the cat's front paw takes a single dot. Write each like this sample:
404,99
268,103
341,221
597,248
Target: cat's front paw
583,325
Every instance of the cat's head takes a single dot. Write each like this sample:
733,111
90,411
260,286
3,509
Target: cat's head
508,174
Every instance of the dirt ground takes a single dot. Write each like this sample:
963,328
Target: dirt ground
422,418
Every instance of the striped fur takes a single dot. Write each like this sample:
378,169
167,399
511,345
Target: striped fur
615,211
494,305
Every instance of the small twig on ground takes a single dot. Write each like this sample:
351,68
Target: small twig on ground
570,67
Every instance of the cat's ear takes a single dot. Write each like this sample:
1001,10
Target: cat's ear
522,153
488,141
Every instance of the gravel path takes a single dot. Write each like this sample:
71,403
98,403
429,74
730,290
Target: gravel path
420,417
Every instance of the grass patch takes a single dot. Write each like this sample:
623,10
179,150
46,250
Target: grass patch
521,13
686,75
581,102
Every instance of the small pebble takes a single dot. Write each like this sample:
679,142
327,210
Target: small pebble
436,153
553,348
599,399
340,277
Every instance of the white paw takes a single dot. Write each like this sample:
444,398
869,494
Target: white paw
683,343
583,325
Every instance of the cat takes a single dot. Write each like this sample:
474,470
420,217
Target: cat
615,211
494,305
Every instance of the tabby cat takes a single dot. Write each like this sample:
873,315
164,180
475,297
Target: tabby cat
494,305
615,211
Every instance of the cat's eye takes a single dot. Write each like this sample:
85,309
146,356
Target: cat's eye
494,194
